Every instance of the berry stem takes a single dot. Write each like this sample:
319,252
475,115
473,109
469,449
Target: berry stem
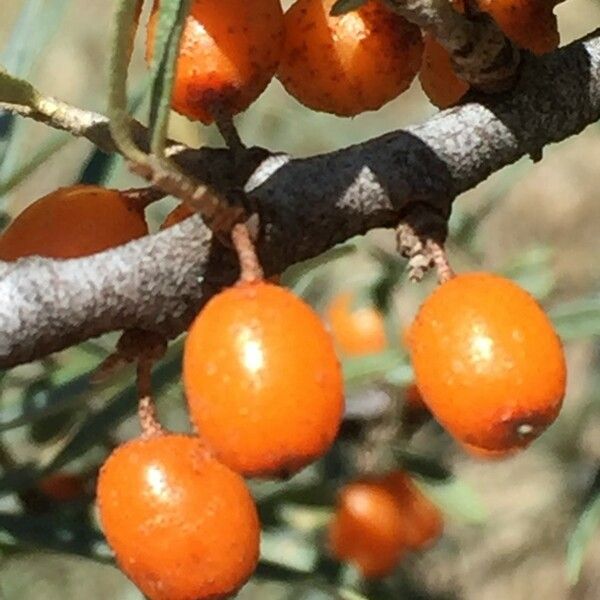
146,406
229,132
250,269
440,259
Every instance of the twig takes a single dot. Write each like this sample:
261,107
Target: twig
160,282
482,55
147,414
250,269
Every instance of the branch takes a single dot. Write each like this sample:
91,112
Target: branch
159,282
481,54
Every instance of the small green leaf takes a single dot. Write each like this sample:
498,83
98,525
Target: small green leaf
586,528
56,399
99,166
343,6
46,151
95,427
124,28
17,91
172,15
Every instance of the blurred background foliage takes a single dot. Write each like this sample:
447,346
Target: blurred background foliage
519,528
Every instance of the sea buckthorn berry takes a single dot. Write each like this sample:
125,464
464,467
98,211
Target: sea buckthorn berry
350,63
368,529
74,221
262,380
437,76
483,454
182,525
530,24
179,213
229,52
356,330
423,520
488,362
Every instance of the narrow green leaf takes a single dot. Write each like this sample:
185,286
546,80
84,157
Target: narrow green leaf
172,15
20,58
584,531
25,169
55,400
125,25
37,22
99,166
95,427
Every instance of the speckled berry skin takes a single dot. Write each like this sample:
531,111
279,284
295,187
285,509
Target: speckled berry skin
531,24
348,64
229,52
488,362
182,525
73,221
263,384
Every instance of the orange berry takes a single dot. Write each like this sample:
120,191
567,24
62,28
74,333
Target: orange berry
351,63
482,453
488,362
182,525
262,380
63,487
439,81
530,24
356,330
423,521
368,529
73,221
229,52
179,213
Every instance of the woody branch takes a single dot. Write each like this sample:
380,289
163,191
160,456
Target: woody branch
306,206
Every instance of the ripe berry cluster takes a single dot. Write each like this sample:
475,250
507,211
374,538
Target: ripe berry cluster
262,380
342,64
265,393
